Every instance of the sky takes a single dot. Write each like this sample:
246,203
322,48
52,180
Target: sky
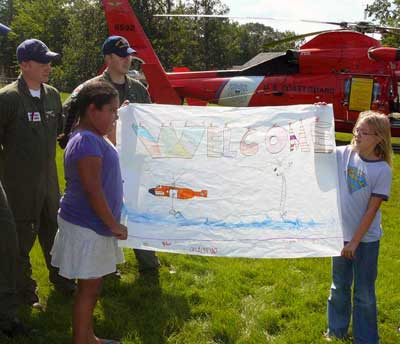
323,10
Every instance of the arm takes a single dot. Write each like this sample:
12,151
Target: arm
60,115
5,116
89,169
146,96
373,206
69,116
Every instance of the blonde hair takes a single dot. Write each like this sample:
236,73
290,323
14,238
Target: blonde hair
380,124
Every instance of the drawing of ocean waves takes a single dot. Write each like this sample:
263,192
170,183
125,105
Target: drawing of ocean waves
179,220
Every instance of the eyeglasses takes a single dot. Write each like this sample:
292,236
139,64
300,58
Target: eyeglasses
362,133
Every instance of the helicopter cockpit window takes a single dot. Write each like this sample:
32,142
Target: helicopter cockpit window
398,90
395,104
376,91
347,87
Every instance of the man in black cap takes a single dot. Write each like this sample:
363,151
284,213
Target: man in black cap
118,57
30,118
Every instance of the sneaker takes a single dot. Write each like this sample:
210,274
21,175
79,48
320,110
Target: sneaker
38,306
117,274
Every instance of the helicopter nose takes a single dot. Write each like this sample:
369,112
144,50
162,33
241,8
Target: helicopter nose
152,191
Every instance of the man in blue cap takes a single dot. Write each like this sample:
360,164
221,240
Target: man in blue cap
30,119
10,325
118,57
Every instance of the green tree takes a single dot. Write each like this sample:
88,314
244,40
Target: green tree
254,36
386,13
42,19
82,58
7,50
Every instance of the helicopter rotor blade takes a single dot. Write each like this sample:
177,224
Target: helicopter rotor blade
219,16
360,26
227,16
341,24
395,30
292,38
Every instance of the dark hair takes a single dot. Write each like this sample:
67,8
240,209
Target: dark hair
95,92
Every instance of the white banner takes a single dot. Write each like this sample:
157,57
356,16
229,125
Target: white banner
242,182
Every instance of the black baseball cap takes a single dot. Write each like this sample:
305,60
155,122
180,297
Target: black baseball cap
4,29
35,50
117,45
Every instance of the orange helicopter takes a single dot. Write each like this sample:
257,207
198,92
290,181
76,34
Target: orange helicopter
176,192
344,67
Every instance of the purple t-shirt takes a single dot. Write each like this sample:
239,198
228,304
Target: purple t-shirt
75,207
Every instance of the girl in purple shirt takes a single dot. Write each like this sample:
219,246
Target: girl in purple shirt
85,246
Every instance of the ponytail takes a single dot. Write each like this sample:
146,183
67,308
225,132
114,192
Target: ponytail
94,92
71,118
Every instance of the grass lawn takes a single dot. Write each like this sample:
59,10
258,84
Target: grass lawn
221,300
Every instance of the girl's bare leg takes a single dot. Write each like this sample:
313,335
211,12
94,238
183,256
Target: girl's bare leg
84,303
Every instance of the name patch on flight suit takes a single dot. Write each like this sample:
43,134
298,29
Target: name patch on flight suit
50,114
34,116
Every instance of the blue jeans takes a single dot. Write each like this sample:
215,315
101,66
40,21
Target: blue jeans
363,270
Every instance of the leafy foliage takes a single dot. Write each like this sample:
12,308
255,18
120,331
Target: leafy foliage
82,58
386,12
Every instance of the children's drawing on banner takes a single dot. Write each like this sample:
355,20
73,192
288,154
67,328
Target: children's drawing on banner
248,182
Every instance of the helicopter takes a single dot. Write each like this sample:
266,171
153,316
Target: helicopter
343,67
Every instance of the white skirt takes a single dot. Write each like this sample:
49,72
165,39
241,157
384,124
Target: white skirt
81,253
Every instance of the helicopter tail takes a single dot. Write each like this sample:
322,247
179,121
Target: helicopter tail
203,193
122,21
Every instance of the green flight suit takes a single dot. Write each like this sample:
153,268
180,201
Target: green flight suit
135,92
28,132
8,264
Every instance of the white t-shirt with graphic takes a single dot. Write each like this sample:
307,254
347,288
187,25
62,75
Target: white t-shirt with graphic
359,179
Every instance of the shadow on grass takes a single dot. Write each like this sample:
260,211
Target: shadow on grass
53,324
56,318
136,310
140,312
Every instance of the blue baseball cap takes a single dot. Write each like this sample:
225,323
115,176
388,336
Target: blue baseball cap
35,50
117,45
4,29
